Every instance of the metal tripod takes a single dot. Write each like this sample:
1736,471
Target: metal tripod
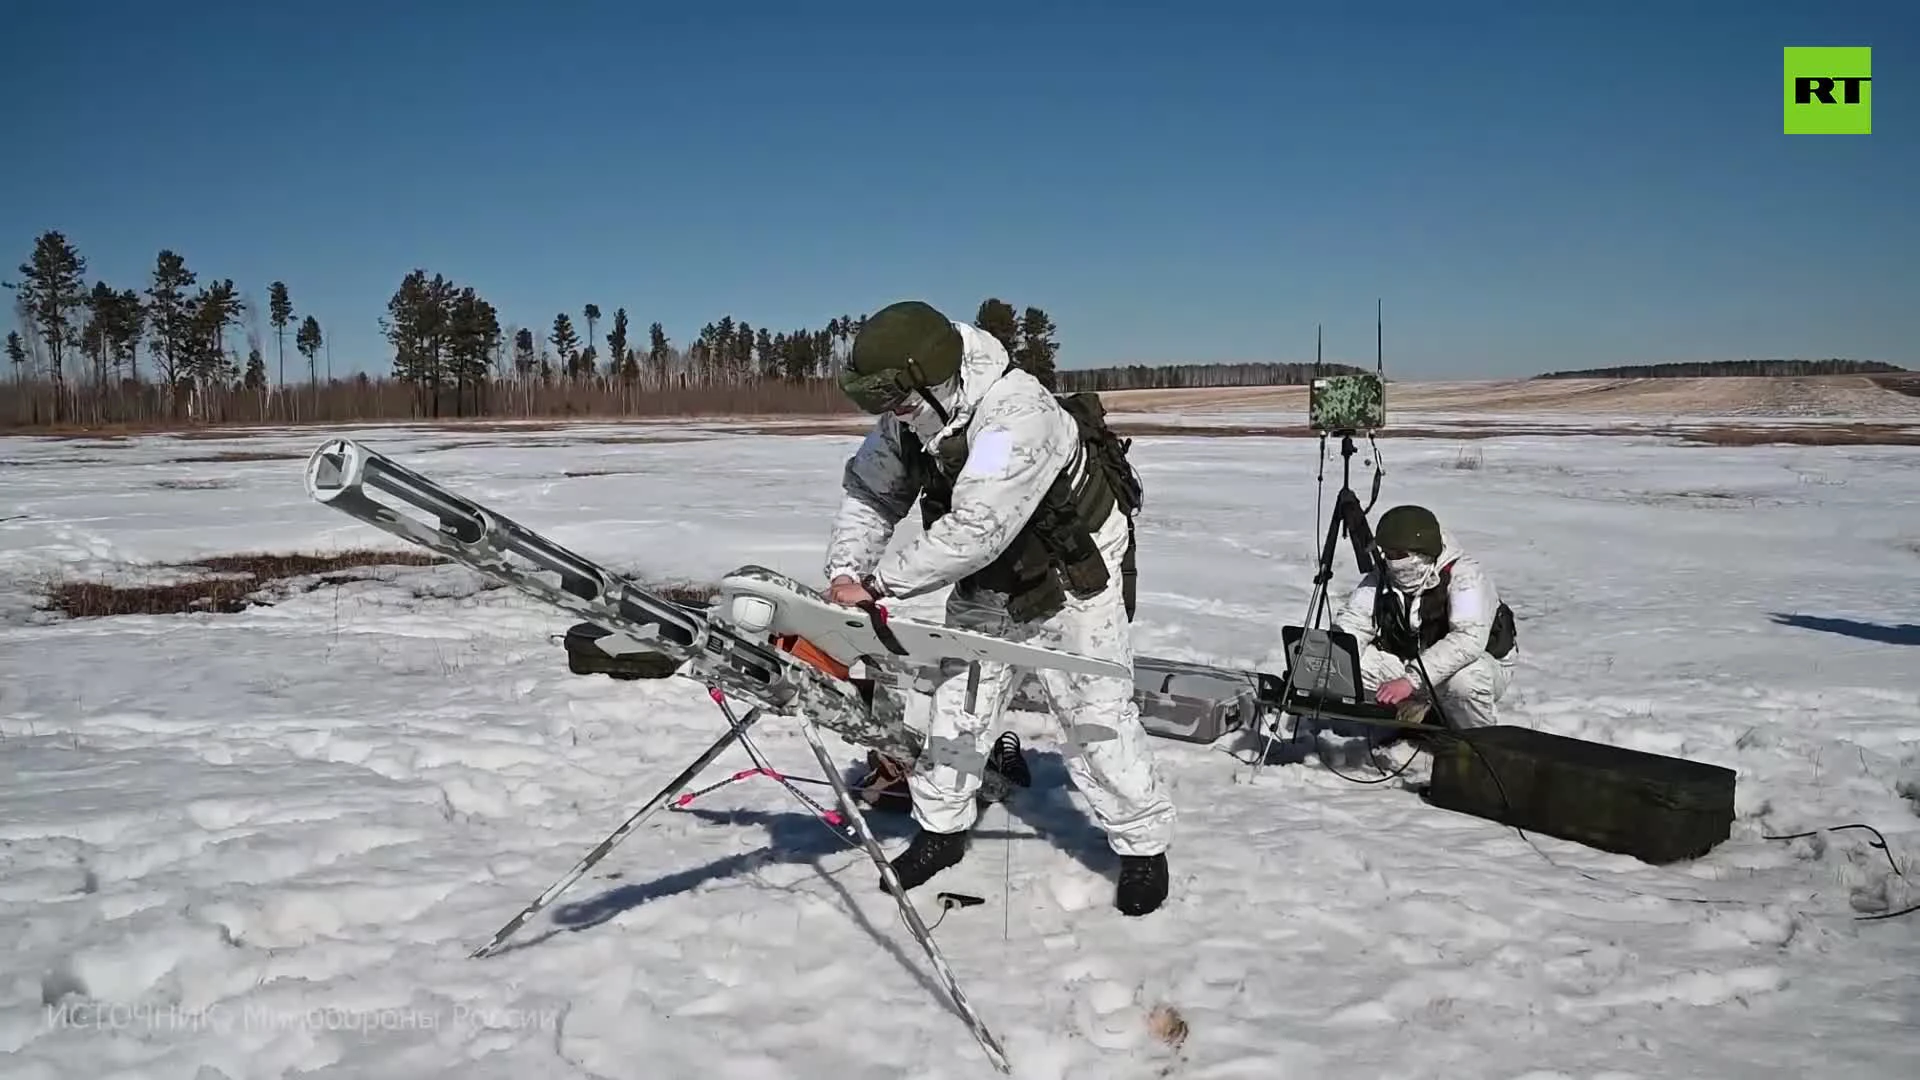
1349,517
849,806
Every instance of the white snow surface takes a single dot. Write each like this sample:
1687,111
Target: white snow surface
263,844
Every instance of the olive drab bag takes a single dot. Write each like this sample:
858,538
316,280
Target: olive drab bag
1107,452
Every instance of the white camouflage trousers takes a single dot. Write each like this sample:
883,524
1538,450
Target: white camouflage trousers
1111,763
1469,699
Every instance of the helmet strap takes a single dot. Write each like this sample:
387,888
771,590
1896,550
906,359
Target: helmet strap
926,395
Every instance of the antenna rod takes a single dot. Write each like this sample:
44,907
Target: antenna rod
1379,340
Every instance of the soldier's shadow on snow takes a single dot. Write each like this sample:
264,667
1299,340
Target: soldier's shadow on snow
1904,634
795,836
1050,808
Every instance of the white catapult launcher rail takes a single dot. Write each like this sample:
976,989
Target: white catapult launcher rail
732,658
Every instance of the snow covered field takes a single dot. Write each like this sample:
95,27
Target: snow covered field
262,844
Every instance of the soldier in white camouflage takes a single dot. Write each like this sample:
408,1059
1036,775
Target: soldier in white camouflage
1029,518
1430,612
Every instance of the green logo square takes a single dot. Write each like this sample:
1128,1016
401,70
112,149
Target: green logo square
1829,91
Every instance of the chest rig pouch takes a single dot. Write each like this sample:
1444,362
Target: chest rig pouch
1054,553
1395,636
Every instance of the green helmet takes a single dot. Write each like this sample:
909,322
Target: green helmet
1408,529
903,347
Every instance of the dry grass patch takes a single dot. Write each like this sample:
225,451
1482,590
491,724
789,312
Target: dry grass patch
584,440
209,484
635,440
278,567
851,426
225,584
229,583
1907,384
244,455
95,599
20,463
1822,435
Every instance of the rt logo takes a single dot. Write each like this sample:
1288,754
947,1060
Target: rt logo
1829,91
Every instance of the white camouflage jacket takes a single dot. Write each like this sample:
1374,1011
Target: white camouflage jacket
1018,441
1472,601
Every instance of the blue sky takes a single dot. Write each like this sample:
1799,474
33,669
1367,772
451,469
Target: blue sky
1527,186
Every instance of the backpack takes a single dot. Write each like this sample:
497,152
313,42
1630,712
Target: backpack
1106,451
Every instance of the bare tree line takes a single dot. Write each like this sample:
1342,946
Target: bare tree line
1731,368
76,357
1180,376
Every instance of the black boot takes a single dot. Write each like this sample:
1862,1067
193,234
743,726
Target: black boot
1006,769
1143,884
1009,760
929,854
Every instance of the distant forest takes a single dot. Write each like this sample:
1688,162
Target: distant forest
1183,376
1712,369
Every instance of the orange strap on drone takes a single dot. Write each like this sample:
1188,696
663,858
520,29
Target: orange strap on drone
806,650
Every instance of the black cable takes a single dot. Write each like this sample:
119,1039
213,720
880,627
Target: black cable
1908,910
1879,842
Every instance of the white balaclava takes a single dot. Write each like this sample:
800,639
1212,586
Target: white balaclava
1411,573
1414,533
922,419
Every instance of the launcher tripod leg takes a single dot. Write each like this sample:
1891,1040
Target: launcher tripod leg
735,729
851,807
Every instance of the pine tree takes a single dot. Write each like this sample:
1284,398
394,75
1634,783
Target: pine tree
473,333
167,315
800,357
719,348
53,289
592,312
1037,349
769,359
740,351
844,332
618,355
658,351
96,340
124,334
566,344
17,355
307,342
417,324
256,376
213,309
996,318
280,313
524,357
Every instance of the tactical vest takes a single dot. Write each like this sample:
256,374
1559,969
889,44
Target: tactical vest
1054,552
1396,637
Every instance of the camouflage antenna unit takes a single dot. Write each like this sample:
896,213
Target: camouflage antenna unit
1349,405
